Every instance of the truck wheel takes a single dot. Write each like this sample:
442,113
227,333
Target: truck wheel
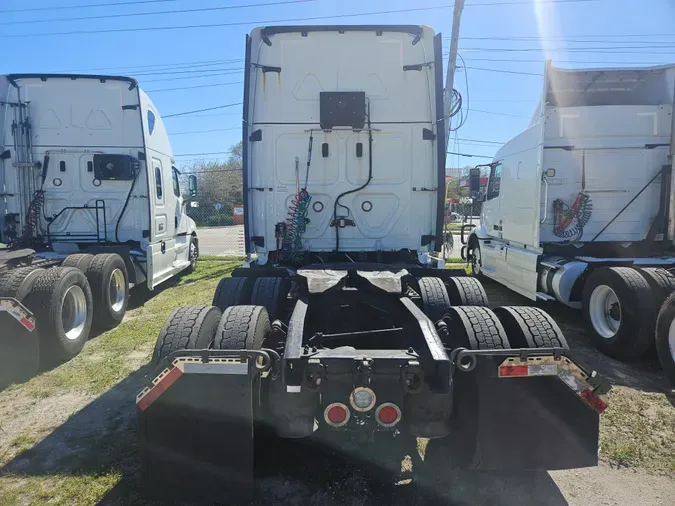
476,260
18,283
665,337
435,300
62,304
660,281
232,292
530,327
20,356
109,280
619,311
242,328
193,255
476,328
466,292
270,293
80,261
188,328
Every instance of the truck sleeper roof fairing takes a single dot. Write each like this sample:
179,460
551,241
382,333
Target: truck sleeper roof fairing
12,78
293,75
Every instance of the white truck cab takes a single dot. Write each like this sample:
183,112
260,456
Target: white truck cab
585,190
87,167
341,155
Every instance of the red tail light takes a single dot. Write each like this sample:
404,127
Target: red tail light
336,414
388,414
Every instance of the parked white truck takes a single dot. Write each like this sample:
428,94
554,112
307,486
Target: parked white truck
579,206
90,203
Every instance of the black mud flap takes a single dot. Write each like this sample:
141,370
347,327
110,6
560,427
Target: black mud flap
19,343
522,423
197,430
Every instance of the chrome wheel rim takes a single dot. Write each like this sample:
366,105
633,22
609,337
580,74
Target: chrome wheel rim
193,253
117,290
476,260
671,340
74,312
605,311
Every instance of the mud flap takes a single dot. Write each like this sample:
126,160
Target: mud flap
19,343
197,430
528,423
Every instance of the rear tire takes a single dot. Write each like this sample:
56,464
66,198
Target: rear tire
661,282
232,292
530,327
665,337
18,283
242,328
188,328
619,312
435,300
80,261
476,328
62,303
109,280
467,292
270,293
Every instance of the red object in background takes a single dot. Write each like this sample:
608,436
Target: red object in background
238,215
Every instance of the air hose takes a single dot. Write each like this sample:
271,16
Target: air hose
296,221
563,216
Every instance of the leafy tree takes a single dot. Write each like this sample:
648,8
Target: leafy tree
218,183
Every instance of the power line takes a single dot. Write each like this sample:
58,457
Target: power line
206,131
511,60
193,87
236,23
200,154
181,11
202,171
70,7
505,71
468,155
481,141
192,77
183,71
200,110
501,113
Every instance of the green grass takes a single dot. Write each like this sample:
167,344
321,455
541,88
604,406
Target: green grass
111,356
638,430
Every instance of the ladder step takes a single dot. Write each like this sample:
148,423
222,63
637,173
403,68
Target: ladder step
544,296
550,265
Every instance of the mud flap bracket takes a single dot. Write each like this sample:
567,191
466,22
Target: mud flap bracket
197,421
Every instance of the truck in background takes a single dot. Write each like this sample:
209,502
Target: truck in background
579,207
90,203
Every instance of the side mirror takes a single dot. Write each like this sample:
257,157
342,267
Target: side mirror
474,182
192,185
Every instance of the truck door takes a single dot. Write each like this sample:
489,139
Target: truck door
492,204
162,226
494,252
180,220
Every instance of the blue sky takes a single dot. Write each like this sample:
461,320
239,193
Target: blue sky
592,33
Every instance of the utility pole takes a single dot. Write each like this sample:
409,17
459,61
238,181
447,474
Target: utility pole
452,65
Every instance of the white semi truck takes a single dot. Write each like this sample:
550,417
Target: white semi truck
344,329
579,207
90,204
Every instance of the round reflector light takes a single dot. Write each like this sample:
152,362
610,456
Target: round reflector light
336,414
362,399
388,414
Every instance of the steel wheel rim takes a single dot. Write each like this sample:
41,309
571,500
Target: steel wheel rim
74,312
671,340
117,290
602,308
